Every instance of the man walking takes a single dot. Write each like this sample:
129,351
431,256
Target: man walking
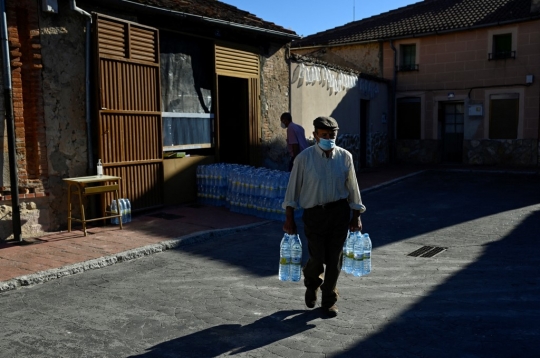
296,137
323,182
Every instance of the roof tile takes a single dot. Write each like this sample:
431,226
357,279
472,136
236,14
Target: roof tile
216,10
422,18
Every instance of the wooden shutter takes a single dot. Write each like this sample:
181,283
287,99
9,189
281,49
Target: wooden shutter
236,63
129,108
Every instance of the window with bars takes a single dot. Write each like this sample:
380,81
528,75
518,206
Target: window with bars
408,58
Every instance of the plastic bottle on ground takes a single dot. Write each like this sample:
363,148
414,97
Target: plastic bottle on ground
122,209
114,211
285,258
296,258
128,210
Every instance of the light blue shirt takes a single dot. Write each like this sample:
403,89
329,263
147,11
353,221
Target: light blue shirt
296,135
316,179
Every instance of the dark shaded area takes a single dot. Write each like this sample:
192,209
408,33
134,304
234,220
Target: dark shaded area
488,309
494,301
166,216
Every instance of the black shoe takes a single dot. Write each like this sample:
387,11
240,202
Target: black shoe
311,297
331,311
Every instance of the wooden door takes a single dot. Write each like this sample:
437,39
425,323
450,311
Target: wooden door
129,108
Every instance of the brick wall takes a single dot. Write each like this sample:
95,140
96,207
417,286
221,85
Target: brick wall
25,54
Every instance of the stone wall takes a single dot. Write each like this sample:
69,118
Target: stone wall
63,49
413,151
274,101
518,152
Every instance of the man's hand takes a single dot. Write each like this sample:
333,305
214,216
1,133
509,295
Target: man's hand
356,223
290,225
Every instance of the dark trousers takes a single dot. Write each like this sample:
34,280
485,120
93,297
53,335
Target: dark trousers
326,231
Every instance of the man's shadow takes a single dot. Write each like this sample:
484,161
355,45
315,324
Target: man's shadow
235,338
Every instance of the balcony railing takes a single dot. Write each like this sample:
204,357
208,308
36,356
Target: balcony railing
501,55
405,68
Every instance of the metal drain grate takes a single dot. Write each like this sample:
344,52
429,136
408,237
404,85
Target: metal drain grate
427,251
166,216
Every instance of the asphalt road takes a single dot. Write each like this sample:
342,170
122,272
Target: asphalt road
480,297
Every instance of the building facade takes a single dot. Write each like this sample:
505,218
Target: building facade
465,87
129,83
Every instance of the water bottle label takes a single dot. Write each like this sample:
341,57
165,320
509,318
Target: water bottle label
367,255
284,261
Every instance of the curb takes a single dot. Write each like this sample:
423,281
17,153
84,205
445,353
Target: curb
133,254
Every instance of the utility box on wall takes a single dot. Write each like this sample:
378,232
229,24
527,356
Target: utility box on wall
50,6
476,110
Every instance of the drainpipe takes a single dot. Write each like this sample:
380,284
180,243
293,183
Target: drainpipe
392,119
10,124
73,6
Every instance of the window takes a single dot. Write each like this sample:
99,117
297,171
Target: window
503,116
408,58
186,92
408,121
502,47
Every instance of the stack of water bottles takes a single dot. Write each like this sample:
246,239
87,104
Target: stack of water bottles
125,211
212,182
290,258
243,189
357,254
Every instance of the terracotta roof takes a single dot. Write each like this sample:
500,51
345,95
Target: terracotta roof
423,18
215,10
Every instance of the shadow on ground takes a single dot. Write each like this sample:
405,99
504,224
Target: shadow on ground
235,338
490,308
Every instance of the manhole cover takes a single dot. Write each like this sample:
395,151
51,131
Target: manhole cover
427,251
166,216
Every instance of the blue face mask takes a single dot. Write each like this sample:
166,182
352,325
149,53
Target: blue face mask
327,144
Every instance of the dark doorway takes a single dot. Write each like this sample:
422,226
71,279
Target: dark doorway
233,117
364,115
453,119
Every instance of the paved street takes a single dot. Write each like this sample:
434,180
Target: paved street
220,297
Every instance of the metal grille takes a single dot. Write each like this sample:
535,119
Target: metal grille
427,251
129,109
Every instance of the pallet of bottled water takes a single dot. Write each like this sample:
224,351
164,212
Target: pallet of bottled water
243,189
